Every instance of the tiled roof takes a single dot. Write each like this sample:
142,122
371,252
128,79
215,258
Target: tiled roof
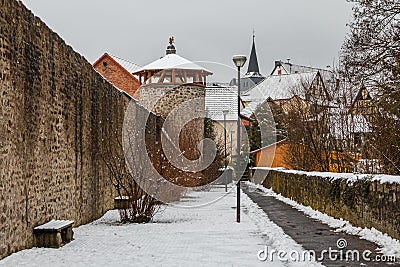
129,66
278,87
220,98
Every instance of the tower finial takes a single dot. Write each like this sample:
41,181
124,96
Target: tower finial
254,34
171,48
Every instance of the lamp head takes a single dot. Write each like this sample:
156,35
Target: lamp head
239,60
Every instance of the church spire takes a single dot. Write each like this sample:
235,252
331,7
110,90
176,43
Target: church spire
253,68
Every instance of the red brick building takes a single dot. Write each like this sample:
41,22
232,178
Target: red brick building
119,71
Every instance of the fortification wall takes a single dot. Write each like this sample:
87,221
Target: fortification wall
55,113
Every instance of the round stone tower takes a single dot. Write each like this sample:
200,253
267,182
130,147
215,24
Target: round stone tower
174,88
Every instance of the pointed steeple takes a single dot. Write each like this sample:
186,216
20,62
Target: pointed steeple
253,75
253,69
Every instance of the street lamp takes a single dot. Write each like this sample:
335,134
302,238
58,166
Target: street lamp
225,112
239,62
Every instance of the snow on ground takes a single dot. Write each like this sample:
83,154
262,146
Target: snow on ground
203,236
390,246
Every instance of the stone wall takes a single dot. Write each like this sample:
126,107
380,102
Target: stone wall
55,113
365,202
162,99
183,107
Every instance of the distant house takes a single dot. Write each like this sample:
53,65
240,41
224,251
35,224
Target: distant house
362,104
220,98
119,71
354,124
288,86
352,127
282,92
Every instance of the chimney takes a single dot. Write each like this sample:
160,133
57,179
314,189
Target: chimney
278,66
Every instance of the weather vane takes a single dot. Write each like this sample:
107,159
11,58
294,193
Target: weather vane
171,40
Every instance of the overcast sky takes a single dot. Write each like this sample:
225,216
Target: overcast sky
310,32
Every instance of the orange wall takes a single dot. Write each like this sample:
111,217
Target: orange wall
272,156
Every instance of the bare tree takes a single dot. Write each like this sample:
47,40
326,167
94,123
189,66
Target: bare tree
371,57
138,206
307,123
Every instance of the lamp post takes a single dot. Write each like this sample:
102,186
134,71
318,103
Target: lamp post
232,132
239,62
225,112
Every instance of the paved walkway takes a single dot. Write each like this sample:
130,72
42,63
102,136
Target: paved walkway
310,233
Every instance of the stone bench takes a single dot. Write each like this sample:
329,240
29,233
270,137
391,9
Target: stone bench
53,234
122,203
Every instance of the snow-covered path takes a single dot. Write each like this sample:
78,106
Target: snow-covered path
204,236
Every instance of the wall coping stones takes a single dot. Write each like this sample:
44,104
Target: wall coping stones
350,177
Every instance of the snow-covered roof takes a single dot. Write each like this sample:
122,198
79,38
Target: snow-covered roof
250,109
278,87
172,61
291,68
129,66
327,75
220,98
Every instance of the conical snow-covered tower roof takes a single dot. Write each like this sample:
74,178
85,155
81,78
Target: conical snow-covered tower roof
172,69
